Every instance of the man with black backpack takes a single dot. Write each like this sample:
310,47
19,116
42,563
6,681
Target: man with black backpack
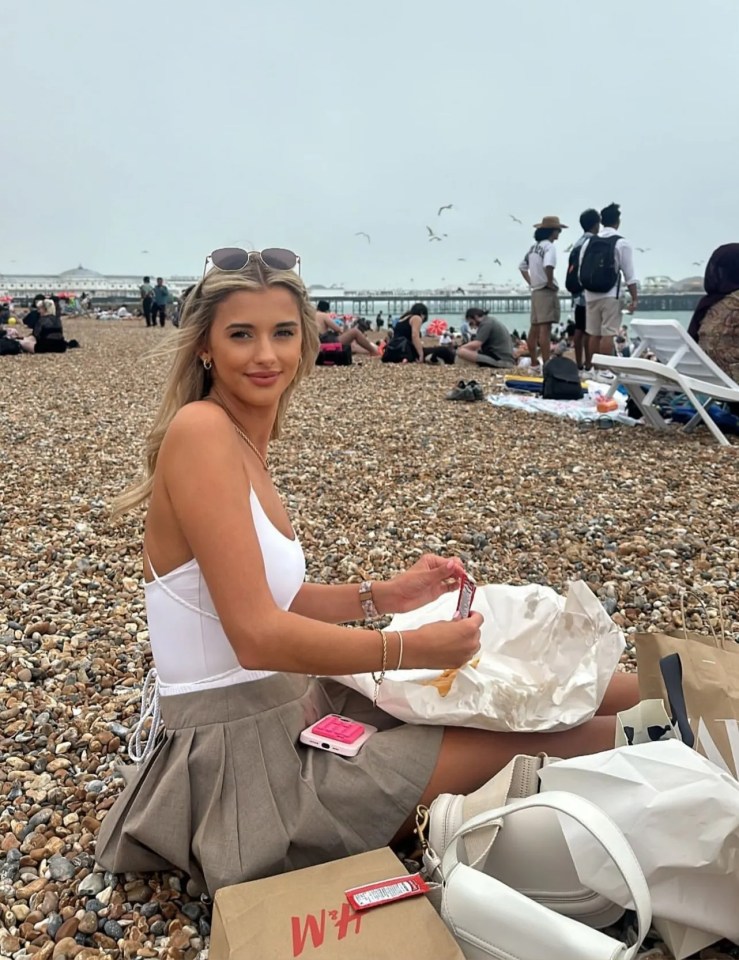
590,223
604,260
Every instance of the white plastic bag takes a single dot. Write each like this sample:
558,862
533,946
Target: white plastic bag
679,812
545,663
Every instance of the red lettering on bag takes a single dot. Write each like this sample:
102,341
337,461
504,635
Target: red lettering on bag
347,916
310,926
315,928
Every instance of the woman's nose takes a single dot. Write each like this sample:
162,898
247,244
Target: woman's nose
265,352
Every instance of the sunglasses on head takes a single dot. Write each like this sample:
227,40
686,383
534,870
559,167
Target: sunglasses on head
234,258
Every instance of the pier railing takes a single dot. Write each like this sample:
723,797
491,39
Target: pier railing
369,304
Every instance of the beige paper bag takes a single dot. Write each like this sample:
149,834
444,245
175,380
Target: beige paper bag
306,915
711,688
710,669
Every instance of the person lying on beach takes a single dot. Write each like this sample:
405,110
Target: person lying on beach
331,331
243,646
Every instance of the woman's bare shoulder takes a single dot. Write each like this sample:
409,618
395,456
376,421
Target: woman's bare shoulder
196,419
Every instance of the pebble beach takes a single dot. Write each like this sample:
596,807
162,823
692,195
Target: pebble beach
375,468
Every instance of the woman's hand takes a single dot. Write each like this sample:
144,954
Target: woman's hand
445,644
426,580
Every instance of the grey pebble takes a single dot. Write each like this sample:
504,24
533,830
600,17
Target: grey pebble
610,605
151,909
203,927
93,883
114,930
119,730
95,786
60,868
94,906
158,928
9,871
39,819
55,921
192,910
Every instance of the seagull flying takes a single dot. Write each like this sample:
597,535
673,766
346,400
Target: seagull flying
462,259
498,262
515,219
698,263
447,207
432,235
144,251
643,249
366,236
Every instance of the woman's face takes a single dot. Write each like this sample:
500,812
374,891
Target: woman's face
255,345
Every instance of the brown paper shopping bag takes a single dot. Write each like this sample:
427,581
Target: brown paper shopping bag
306,915
710,682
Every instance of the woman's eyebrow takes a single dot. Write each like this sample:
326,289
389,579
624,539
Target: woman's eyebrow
250,326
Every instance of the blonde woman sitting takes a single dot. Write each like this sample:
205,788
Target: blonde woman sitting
226,792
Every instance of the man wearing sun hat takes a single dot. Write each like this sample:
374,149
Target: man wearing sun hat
537,268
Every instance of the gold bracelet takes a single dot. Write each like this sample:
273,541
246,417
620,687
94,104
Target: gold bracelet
378,680
400,658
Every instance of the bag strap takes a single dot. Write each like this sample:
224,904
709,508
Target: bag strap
522,773
597,823
671,668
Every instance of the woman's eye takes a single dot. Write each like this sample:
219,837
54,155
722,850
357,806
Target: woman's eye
285,333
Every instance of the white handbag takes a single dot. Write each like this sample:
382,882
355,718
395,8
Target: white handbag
531,855
490,920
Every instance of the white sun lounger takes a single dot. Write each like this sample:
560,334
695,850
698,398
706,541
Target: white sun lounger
682,368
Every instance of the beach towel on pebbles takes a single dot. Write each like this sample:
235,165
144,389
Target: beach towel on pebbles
584,409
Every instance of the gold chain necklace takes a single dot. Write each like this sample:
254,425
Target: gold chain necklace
240,432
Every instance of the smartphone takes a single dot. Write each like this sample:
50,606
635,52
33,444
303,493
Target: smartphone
466,596
338,734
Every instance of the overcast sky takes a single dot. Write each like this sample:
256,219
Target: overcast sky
176,126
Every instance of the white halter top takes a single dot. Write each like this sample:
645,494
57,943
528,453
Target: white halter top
190,648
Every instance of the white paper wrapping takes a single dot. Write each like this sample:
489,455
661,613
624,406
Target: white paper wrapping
679,812
545,663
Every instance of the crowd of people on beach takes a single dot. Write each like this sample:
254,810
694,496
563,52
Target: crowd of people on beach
43,333
600,269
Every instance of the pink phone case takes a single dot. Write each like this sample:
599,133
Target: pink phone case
334,727
337,734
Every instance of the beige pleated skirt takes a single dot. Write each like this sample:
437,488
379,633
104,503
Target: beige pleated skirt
230,794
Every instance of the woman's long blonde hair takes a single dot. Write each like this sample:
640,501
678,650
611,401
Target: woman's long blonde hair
188,380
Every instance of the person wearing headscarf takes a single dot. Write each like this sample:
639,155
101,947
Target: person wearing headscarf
715,323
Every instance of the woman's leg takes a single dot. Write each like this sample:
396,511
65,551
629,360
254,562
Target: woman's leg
622,693
469,758
356,336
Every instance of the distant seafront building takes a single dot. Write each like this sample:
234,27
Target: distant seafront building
79,281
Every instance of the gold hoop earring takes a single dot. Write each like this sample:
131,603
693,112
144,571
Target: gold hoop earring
207,364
